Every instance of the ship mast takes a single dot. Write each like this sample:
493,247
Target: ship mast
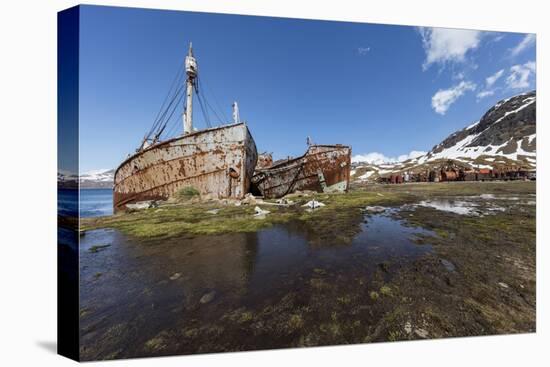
191,70
236,117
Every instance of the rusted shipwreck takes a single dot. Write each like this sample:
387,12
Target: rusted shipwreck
218,161
323,168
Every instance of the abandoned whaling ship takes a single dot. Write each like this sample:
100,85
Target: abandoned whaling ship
323,168
217,161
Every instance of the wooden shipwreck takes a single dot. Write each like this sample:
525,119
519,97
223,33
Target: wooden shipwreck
218,162
323,168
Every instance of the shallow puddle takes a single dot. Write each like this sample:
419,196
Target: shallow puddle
453,206
479,205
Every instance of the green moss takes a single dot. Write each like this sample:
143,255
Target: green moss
344,299
441,232
191,333
187,193
385,290
394,336
246,316
318,284
295,322
374,295
155,344
339,219
97,248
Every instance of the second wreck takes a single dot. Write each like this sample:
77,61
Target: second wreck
323,168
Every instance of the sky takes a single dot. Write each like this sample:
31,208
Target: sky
388,91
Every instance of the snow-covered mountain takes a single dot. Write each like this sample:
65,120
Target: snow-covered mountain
102,178
66,179
507,130
504,136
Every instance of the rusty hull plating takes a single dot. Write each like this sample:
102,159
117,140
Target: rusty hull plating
218,162
323,168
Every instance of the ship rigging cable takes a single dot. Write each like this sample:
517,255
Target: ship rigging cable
203,109
163,121
159,133
171,103
202,84
176,81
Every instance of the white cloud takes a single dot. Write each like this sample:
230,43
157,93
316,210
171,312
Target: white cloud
373,157
520,75
443,45
489,81
444,98
411,155
526,42
485,93
459,76
379,158
363,50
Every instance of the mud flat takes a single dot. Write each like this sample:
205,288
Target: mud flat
380,263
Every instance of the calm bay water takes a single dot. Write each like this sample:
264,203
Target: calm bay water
96,202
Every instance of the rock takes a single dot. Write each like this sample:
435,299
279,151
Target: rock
249,199
175,276
208,197
260,213
140,205
285,201
313,204
376,209
298,194
504,285
448,265
487,196
408,327
213,211
421,333
385,267
208,297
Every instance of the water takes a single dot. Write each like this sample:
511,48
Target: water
67,202
96,202
67,210
478,205
157,286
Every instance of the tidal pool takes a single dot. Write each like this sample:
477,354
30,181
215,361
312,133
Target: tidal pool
188,295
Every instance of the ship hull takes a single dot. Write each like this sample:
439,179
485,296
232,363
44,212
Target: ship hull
218,162
323,168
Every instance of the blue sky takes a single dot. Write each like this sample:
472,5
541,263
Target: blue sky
385,90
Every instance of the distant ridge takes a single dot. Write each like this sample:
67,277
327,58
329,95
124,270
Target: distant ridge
98,179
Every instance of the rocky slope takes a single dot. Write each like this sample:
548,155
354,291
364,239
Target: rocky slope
504,136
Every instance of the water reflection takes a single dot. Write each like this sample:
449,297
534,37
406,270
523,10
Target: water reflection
132,290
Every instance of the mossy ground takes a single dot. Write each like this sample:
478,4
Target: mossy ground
489,289
340,215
